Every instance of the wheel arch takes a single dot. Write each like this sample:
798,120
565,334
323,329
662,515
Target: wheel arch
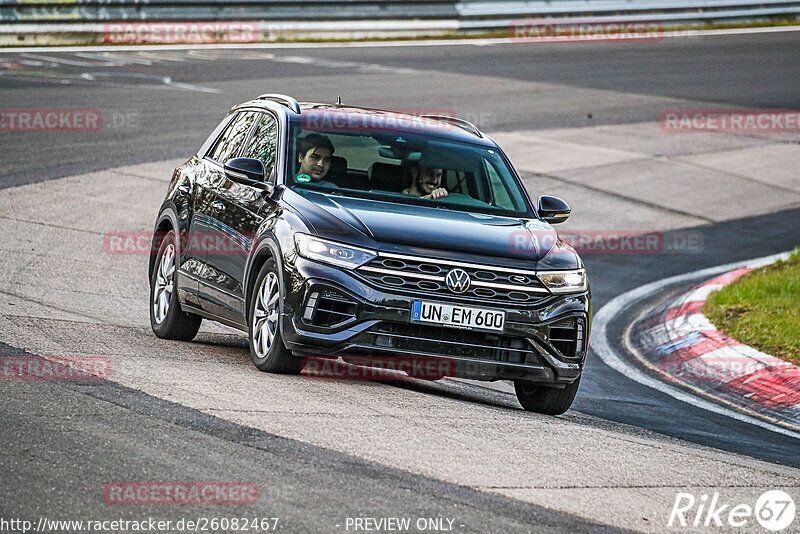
167,222
266,249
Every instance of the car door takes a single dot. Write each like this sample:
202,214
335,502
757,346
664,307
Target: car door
211,235
238,216
197,188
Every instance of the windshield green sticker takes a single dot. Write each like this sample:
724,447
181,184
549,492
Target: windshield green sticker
303,178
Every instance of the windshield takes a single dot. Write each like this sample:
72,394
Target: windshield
405,168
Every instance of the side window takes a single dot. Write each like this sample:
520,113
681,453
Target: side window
501,197
456,181
264,143
231,141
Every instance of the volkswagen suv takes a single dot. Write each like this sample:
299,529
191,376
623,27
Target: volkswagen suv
358,265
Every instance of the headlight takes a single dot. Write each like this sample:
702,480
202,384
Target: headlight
314,248
564,281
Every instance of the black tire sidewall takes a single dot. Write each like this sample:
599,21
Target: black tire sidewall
546,400
177,324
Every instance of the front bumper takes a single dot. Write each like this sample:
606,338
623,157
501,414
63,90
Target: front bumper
330,312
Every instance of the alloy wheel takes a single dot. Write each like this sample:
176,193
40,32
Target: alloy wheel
162,296
265,315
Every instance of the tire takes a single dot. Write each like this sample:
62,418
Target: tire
264,333
544,399
169,321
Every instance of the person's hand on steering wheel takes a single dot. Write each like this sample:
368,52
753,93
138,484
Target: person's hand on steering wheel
436,193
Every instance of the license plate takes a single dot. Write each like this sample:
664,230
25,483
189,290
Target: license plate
457,316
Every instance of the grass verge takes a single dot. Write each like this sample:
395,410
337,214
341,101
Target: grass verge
762,309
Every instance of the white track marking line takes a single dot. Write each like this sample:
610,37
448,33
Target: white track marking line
367,44
34,63
73,62
602,346
145,53
113,77
116,58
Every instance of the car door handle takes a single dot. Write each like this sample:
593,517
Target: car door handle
217,205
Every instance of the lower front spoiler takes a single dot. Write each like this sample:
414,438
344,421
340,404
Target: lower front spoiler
422,364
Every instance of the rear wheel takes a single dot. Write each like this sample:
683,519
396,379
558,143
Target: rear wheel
167,319
266,342
546,399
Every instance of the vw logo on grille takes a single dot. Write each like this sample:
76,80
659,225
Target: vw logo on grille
457,280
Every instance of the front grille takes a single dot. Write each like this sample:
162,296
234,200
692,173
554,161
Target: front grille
329,308
427,276
435,340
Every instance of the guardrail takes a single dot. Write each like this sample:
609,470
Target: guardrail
494,8
106,10
20,11
24,22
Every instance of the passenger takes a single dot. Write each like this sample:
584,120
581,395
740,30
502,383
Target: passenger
425,182
315,154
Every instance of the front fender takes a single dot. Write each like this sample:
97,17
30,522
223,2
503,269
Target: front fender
267,246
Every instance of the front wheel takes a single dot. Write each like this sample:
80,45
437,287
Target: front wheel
167,319
545,399
266,343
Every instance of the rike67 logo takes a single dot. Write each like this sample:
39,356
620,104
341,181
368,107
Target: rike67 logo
774,510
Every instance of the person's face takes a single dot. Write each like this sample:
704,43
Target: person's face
315,163
429,179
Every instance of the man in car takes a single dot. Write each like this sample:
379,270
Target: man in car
315,154
425,182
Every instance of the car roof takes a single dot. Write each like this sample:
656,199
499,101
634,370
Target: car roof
334,118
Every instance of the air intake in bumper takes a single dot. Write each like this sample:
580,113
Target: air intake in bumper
328,308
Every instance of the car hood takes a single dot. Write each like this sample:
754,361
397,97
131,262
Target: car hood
527,243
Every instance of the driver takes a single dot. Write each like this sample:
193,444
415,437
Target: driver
314,154
425,182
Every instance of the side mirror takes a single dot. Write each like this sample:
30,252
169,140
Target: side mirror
553,209
248,171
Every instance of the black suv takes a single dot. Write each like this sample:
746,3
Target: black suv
329,231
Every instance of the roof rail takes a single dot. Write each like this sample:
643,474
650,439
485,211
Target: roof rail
461,123
287,101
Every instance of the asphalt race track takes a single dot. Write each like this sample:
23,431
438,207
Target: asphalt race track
323,451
